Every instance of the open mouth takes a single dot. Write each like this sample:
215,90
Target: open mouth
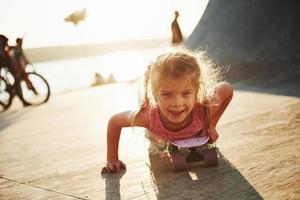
176,113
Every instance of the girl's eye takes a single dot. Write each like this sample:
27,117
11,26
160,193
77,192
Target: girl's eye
187,93
166,94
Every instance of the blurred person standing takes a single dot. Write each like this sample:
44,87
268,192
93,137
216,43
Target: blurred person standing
176,32
19,51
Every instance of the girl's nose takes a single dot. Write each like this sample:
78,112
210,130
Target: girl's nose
178,101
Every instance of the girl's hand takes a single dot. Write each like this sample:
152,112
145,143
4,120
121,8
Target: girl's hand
213,135
113,166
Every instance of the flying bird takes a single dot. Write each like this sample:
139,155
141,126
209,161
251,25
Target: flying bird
76,17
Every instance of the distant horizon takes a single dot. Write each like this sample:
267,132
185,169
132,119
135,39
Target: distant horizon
61,52
101,42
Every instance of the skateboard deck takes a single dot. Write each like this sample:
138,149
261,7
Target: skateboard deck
190,142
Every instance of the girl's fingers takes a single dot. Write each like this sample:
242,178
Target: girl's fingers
104,170
118,167
123,166
113,167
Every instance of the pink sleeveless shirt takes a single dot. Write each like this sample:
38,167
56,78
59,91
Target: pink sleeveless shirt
194,128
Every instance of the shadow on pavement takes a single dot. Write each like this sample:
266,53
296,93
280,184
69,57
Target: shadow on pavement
221,182
7,118
112,185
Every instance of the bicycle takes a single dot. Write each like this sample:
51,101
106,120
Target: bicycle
35,90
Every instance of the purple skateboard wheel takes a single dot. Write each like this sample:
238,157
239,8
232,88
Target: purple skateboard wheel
210,157
178,161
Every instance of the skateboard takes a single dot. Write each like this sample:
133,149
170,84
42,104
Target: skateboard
198,149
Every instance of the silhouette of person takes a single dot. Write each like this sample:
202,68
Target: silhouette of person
21,62
19,51
176,32
4,51
98,79
7,56
111,79
9,60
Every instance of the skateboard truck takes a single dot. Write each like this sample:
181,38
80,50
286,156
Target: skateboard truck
203,152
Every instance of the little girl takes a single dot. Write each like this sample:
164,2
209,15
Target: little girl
175,98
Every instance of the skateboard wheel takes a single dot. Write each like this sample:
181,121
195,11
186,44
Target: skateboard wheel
178,162
210,157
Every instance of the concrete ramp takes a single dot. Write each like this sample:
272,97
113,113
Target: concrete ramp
253,34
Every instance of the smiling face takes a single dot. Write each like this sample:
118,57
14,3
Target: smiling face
176,98
174,80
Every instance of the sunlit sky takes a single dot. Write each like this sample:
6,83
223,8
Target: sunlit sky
42,22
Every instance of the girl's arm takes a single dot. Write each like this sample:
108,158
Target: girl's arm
219,98
115,125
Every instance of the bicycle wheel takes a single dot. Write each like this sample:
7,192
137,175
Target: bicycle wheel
5,96
37,91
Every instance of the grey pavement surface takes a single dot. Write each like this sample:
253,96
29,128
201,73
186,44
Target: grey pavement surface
56,151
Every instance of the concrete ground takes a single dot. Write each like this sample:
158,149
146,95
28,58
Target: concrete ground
56,150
